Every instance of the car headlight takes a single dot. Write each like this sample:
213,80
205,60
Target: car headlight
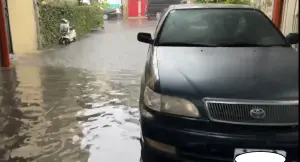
169,104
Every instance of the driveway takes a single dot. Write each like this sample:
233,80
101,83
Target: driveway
78,103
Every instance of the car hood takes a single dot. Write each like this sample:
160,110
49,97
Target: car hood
243,73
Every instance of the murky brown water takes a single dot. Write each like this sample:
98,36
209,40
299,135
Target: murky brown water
77,104
52,114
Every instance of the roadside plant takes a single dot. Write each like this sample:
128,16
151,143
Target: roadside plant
83,18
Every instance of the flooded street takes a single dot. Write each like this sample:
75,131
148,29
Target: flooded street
78,103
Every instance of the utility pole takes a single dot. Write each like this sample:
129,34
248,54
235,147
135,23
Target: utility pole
5,60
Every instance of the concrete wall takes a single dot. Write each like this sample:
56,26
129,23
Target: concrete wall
289,22
22,25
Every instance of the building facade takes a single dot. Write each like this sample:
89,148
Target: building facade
290,18
23,25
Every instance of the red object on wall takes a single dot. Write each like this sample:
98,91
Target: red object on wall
133,8
277,12
143,7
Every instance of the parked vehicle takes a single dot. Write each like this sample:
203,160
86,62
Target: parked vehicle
87,2
155,8
218,80
111,13
67,32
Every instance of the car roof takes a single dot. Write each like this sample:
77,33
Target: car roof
211,5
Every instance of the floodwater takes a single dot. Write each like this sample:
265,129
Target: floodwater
78,103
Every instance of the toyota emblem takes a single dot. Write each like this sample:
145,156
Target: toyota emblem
258,113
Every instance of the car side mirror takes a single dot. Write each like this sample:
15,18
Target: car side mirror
292,38
145,38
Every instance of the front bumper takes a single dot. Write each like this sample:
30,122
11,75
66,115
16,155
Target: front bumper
215,141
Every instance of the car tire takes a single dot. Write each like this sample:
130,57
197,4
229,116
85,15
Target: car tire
147,155
105,17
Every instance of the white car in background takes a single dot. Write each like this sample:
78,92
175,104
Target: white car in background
111,13
86,2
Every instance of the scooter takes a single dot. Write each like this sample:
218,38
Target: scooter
67,33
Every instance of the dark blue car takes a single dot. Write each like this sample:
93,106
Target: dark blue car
218,80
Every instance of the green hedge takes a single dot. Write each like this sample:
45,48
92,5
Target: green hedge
84,18
246,2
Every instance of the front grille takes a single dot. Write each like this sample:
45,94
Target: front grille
253,112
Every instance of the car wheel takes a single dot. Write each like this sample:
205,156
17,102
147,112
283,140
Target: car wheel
74,39
148,156
105,16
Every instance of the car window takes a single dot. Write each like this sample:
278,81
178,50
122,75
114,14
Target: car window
160,21
219,27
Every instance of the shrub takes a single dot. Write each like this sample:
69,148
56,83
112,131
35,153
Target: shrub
105,4
247,2
84,18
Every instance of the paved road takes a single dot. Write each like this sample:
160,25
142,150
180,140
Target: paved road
78,103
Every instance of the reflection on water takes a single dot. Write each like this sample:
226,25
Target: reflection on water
50,114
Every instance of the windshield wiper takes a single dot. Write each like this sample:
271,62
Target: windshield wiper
186,44
243,44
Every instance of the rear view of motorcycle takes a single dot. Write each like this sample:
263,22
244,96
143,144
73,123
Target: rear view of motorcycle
67,32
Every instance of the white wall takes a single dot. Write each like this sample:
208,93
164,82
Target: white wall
114,1
22,25
265,5
289,21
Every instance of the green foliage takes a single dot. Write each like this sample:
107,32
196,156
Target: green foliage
105,4
210,1
247,2
84,18
101,4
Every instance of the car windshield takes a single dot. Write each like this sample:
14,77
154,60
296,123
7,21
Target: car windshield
219,27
